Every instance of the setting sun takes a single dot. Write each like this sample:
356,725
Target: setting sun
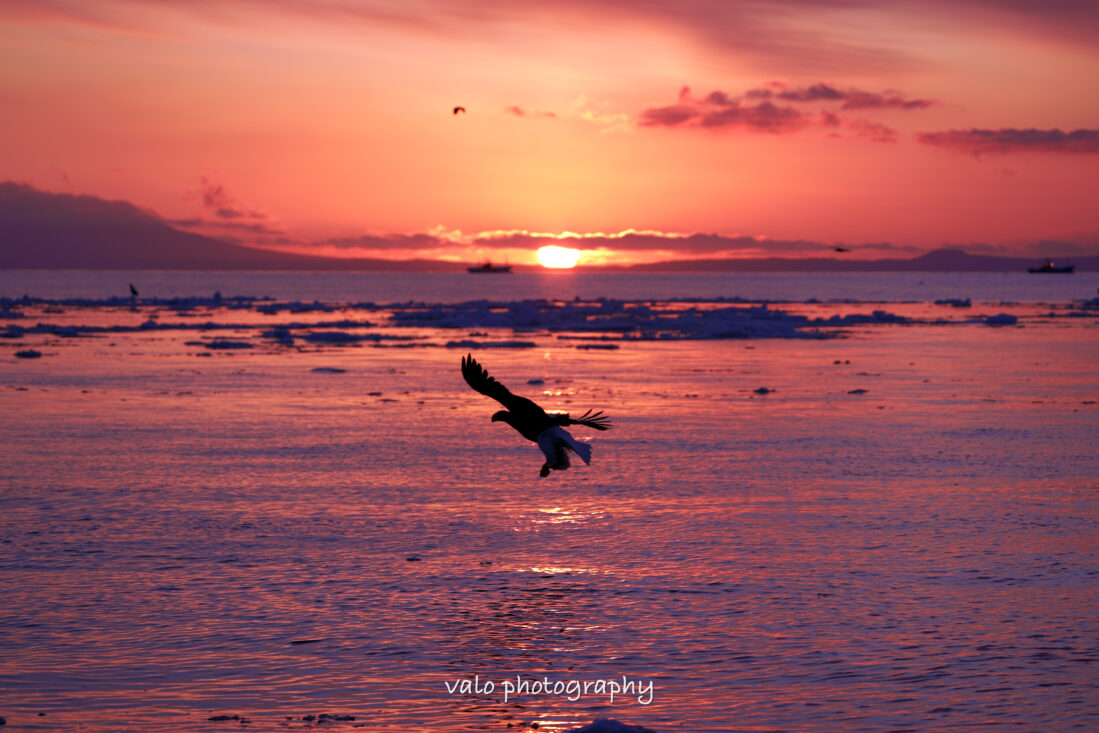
558,257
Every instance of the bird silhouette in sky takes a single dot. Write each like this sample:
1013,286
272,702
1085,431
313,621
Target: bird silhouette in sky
841,249
459,109
133,291
534,423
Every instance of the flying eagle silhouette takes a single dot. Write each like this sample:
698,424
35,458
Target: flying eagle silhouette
459,109
534,423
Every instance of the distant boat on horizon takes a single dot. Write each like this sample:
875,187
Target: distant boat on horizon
489,267
1048,266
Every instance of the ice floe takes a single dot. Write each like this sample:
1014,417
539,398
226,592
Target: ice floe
471,344
607,725
643,320
227,718
345,337
599,323
281,335
226,344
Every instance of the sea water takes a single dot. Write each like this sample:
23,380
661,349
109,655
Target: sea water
840,516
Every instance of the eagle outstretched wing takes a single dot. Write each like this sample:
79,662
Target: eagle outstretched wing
476,376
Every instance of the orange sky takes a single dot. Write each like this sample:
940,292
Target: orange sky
326,125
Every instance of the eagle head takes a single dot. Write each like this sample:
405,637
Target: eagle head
502,416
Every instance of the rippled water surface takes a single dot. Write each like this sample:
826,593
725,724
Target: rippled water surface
901,534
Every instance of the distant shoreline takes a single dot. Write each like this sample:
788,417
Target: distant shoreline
939,260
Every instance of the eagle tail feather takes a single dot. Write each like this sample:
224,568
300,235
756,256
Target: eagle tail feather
596,420
555,443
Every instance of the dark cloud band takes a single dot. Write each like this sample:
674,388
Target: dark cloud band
1011,140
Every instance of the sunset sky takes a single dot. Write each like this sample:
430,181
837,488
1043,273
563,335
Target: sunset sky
638,130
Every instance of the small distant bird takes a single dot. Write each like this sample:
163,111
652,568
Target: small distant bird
534,423
133,291
841,249
459,109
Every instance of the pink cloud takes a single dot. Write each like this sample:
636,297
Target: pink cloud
718,109
1011,140
697,244
414,241
852,98
222,214
857,99
755,110
873,131
518,111
763,117
814,93
676,114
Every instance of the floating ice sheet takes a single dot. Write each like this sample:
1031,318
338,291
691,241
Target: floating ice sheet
487,322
